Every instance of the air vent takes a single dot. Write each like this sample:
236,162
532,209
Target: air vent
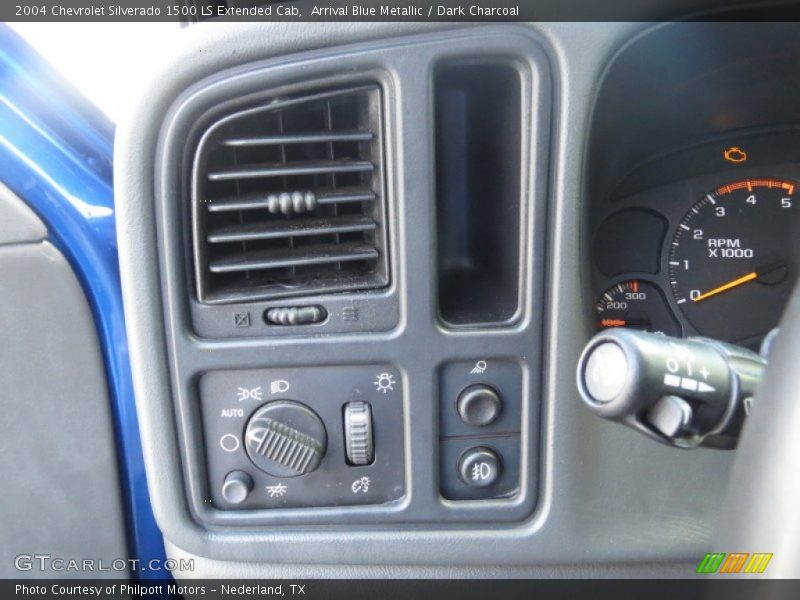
287,199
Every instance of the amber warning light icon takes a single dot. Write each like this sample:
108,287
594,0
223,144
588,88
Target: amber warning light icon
734,154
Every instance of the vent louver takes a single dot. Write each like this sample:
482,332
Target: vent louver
287,199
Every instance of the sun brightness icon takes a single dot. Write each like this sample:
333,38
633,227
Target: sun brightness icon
384,382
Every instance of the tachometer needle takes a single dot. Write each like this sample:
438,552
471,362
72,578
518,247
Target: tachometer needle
727,286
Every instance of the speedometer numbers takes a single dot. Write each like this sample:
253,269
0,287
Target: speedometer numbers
732,260
635,304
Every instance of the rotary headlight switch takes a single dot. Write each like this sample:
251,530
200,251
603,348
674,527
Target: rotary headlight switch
285,439
358,437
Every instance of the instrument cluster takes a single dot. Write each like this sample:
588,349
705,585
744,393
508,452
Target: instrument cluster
714,255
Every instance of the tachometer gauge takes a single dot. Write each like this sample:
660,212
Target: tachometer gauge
638,305
732,261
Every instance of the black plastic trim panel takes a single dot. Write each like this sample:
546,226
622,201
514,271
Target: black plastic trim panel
398,326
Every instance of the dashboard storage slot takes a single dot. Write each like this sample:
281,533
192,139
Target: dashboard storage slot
478,106
287,198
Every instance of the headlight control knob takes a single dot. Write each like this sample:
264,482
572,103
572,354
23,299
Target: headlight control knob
358,437
285,439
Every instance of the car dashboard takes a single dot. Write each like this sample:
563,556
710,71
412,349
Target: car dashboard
360,263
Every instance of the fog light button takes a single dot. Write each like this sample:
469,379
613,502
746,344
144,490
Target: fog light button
480,467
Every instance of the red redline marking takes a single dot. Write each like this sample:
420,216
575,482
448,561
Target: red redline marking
751,183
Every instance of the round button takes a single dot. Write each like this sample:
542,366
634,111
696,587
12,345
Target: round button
237,487
606,372
480,467
479,405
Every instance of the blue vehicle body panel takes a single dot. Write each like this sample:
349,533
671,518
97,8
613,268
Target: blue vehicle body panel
56,153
